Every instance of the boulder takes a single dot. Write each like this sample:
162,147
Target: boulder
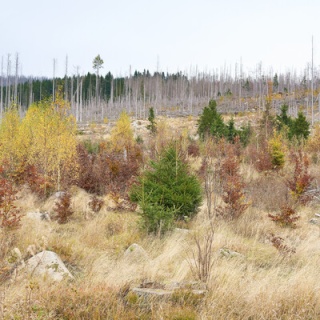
154,290
48,264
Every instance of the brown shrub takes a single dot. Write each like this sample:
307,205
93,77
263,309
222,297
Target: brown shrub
232,187
286,217
63,208
9,214
95,204
301,179
105,172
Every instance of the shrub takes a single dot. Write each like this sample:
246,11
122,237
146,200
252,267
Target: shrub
95,203
9,214
279,244
108,171
276,151
260,157
301,179
36,181
286,217
166,191
62,208
232,187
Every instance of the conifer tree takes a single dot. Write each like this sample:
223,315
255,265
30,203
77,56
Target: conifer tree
300,128
153,125
166,192
211,122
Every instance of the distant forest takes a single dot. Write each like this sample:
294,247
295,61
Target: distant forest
95,97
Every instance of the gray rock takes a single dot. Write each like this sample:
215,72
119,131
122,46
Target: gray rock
59,194
152,294
39,216
314,221
230,254
48,264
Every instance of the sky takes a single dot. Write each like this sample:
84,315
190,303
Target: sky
166,35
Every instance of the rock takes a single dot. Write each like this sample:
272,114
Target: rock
60,194
39,216
314,221
152,293
160,293
48,264
182,231
188,285
136,253
230,254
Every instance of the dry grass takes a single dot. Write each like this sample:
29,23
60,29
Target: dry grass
261,283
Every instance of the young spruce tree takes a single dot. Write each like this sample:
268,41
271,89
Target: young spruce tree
166,192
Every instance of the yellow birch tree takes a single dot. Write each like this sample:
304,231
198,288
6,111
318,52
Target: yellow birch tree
122,134
51,138
11,155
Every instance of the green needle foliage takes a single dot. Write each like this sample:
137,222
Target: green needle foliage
166,192
153,125
298,128
211,124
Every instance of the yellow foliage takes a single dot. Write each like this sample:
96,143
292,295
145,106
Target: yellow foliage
277,150
313,143
105,120
10,139
50,138
122,134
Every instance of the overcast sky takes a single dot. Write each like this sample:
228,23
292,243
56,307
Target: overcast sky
171,34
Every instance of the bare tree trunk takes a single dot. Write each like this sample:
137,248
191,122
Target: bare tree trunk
66,81
71,94
312,115
8,84
15,98
53,81
78,95
80,111
1,84
30,91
